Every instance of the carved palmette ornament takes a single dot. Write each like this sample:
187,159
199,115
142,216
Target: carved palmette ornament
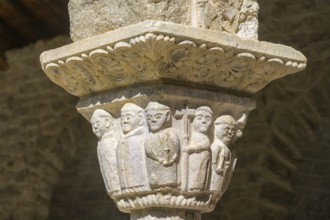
152,57
147,162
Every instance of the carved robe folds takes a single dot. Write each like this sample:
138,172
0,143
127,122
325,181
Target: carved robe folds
150,157
106,152
162,150
132,161
199,162
222,164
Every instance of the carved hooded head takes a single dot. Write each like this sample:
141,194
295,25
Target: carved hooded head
101,122
202,120
132,117
158,116
225,128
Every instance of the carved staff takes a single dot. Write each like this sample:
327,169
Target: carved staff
228,172
186,115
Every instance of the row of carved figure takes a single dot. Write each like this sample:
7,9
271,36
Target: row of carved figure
142,151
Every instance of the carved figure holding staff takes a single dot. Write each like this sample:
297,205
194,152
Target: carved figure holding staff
199,150
186,116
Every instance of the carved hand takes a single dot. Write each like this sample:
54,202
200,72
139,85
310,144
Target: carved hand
189,150
199,149
160,160
168,163
219,171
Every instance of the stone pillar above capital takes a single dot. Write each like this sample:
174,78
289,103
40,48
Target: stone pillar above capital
90,17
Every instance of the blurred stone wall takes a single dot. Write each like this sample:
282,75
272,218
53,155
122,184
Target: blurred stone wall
311,181
48,163
39,134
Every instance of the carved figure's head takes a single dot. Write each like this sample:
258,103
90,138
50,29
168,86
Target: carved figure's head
224,128
158,116
101,122
132,117
203,119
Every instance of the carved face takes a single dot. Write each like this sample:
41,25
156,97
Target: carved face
130,120
225,132
100,126
156,119
202,121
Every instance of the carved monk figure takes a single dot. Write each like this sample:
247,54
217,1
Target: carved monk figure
199,150
102,124
222,158
162,147
131,152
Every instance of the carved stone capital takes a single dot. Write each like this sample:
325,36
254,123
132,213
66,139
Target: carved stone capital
167,103
166,146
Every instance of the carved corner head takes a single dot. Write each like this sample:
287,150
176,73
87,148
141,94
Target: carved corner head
224,129
158,116
132,117
202,120
101,122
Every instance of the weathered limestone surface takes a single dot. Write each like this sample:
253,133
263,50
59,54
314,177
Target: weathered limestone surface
80,193
270,143
161,150
88,199
156,52
156,143
93,17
